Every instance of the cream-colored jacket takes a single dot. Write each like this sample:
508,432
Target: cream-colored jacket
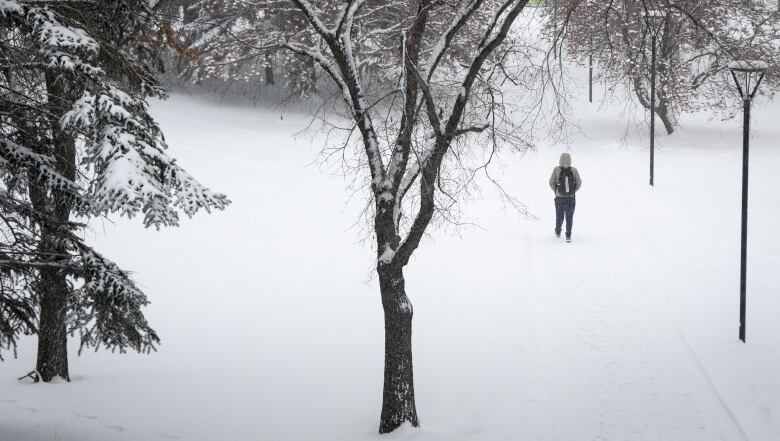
554,181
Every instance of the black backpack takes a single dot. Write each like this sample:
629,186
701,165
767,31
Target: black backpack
566,182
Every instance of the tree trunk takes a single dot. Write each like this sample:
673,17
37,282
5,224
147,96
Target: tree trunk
269,70
309,85
661,108
398,395
662,111
669,53
52,334
53,288
313,76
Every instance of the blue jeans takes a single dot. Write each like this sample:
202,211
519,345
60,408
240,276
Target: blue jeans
564,208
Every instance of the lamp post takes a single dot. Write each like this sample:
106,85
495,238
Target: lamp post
590,69
654,19
747,76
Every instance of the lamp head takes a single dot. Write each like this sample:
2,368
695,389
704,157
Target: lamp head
748,75
749,66
654,18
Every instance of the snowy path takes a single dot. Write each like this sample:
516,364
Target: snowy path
611,365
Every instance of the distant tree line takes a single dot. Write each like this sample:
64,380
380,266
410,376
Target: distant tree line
240,41
696,40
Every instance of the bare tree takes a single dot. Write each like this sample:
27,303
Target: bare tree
696,39
415,79
420,84
414,141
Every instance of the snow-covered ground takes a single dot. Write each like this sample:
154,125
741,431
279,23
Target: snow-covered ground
272,326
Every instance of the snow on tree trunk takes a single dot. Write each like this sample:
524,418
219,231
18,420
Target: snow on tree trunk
398,406
663,113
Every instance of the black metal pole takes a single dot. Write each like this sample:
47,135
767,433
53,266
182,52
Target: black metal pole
652,114
743,254
590,77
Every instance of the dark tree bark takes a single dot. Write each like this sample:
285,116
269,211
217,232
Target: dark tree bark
53,286
312,70
398,404
662,110
668,51
52,334
269,70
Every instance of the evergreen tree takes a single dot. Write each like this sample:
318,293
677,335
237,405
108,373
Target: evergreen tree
77,142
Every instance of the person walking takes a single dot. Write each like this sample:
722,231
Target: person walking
565,182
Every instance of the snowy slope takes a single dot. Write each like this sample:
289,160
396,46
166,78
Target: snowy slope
272,327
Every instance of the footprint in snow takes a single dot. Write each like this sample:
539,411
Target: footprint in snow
117,428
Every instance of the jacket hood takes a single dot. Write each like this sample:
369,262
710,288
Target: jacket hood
565,160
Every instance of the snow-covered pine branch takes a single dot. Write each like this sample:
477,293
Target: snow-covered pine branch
125,148
106,309
123,145
17,307
41,169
